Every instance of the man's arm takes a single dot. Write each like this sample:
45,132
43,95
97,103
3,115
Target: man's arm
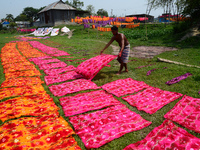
108,44
122,47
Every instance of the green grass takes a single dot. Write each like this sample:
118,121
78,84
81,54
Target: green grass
88,43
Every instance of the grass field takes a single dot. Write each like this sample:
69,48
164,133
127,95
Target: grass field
87,43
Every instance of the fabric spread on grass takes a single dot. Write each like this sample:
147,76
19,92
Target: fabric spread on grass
100,127
84,102
187,113
45,61
52,65
178,79
19,68
62,77
45,132
21,81
151,99
35,105
167,136
17,65
39,58
48,50
71,87
75,59
52,72
124,86
92,66
22,91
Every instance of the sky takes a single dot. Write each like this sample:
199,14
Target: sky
119,8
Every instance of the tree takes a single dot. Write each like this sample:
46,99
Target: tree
76,4
90,9
31,13
102,12
21,17
9,17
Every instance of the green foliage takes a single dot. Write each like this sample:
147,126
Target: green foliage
181,26
102,12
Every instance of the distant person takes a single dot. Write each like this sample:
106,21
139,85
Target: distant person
124,48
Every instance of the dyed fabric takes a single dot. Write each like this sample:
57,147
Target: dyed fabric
84,102
39,58
124,86
92,66
21,81
151,99
22,91
186,113
62,77
71,87
46,61
149,72
98,128
178,79
35,105
52,72
19,68
17,65
52,65
76,59
45,132
25,73
125,54
167,136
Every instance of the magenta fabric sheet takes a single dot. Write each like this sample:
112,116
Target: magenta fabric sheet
186,113
98,128
52,65
73,86
124,86
84,102
167,136
62,77
92,66
52,72
45,61
39,58
151,99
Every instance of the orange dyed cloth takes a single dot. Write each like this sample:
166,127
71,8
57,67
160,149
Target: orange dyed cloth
17,65
35,105
45,132
23,90
19,68
21,81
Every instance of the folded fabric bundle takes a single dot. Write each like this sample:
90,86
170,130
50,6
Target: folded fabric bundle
84,102
100,127
179,78
71,87
167,136
124,86
57,71
52,65
187,113
151,99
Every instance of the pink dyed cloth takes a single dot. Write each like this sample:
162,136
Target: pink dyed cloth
52,65
52,72
187,113
62,77
98,128
45,61
124,86
71,87
39,58
151,99
167,136
84,102
92,66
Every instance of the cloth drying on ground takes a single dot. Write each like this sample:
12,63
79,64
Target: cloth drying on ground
71,87
167,136
52,65
19,68
52,72
46,61
100,127
47,31
65,29
186,113
39,58
124,86
179,78
55,31
151,99
84,102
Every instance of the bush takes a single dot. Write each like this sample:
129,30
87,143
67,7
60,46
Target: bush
181,27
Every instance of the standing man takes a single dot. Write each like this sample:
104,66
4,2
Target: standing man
124,48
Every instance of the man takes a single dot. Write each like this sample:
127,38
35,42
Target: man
124,48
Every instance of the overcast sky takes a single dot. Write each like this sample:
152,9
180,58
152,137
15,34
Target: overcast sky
120,8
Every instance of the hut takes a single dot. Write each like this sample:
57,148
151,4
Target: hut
55,14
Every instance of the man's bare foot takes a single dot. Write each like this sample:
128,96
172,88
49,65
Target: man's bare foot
125,71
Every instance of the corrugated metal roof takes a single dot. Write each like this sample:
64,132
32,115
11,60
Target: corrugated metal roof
59,5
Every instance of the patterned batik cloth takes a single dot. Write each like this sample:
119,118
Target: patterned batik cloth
39,58
92,66
84,102
19,68
62,77
35,105
98,128
151,99
124,86
17,65
44,132
52,72
167,136
45,61
21,81
187,113
52,65
71,87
